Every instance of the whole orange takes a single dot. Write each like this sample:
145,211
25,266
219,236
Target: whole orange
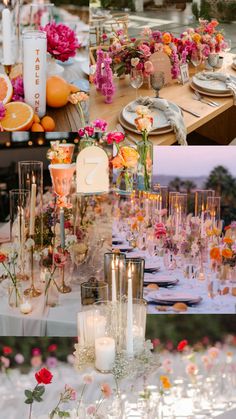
57,92
48,123
36,127
36,119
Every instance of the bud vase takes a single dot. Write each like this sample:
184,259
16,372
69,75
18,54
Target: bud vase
125,181
144,175
14,295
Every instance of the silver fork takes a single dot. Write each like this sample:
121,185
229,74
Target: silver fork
209,102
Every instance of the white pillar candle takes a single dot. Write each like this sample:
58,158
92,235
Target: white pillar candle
32,207
105,353
160,209
129,330
202,223
94,326
25,307
177,222
7,37
113,281
80,327
34,70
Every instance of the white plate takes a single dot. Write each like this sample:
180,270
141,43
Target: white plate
159,119
123,247
174,297
214,86
152,279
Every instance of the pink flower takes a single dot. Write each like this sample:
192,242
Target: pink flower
146,32
71,359
36,351
115,137
51,362
71,391
36,361
91,410
60,259
167,365
87,379
155,342
191,369
18,89
148,67
106,390
81,132
2,111
61,41
5,362
145,50
213,352
104,36
19,358
160,230
89,130
100,124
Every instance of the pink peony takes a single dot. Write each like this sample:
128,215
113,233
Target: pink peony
61,41
115,137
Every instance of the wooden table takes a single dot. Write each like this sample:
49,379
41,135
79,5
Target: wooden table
68,119
216,123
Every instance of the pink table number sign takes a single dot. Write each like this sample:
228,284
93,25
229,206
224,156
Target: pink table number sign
92,171
161,62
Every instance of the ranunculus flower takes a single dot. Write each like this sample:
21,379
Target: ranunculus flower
227,253
144,123
215,254
81,132
160,230
60,259
87,379
115,137
182,345
127,158
44,376
61,41
166,38
165,382
89,130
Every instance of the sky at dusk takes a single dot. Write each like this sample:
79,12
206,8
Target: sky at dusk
193,160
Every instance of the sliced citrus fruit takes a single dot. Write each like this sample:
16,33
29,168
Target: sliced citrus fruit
19,117
6,89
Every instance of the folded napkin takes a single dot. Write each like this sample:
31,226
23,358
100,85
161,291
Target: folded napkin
174,118
230,81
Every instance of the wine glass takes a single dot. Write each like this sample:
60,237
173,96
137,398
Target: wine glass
226,49
157,81
136,79
196,59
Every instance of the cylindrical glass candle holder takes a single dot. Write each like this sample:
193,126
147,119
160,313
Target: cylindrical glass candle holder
41,13
93,322
214,209
35,69
135,268
201,196
138,326
19,214
31,179
93,291
114,264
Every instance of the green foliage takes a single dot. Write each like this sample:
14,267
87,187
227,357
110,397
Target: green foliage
205,10
112,4
227,11
191,327
195,10
35,395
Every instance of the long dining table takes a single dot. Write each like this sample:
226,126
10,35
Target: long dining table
215,123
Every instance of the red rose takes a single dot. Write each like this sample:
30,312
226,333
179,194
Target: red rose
115,137
7,350
3,258
52,347
182,344
44,376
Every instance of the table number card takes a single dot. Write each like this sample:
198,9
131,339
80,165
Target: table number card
161,62
92,171
184,73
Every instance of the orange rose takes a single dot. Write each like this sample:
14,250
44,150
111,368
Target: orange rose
166,38
227,253
196,38
127,157
215,253
118,162
228,240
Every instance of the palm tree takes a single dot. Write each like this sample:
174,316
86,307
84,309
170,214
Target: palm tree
189,186
176,184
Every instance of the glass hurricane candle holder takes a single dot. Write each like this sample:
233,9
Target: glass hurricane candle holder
93,291
41,13
135,267
201,196
114,273
139,315
214,209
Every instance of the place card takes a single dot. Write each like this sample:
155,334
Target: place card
92,171
161,62
184,73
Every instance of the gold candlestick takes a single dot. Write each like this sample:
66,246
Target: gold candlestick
64,289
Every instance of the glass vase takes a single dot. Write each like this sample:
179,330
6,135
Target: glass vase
14,295
144,176
52,295
86,142
125,181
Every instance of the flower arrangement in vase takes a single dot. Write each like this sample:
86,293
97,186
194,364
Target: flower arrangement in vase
144,122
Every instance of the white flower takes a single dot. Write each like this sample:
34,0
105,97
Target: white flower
29,244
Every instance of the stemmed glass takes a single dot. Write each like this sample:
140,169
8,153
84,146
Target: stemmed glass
226,49
196,59
157,81
136,79
213,60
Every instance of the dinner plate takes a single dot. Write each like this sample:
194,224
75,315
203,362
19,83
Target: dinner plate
212,86
122,248
174,297
204,92
159,119
160,281
116,242
131,128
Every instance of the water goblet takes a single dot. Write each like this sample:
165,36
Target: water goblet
213,60
157,81
196,59
136,79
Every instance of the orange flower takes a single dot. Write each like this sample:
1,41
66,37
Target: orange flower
215,253
144,123
227,253
214,23
140,218
219,37
127,157
166,38
196,38
165,382
228,240
167,50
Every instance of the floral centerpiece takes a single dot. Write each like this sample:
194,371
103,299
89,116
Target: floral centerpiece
126,161
8,261
224,258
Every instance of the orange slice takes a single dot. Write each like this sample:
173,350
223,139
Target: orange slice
6,90
19,117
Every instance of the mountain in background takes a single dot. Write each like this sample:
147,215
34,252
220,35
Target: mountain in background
164,180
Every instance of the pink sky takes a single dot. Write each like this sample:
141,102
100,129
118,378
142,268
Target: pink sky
193,160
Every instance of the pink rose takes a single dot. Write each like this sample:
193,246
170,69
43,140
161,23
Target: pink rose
115,137
148,67
145,50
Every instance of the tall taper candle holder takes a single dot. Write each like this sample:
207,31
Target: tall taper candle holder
32,291
64,289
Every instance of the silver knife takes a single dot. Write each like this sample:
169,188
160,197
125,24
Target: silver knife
192,113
